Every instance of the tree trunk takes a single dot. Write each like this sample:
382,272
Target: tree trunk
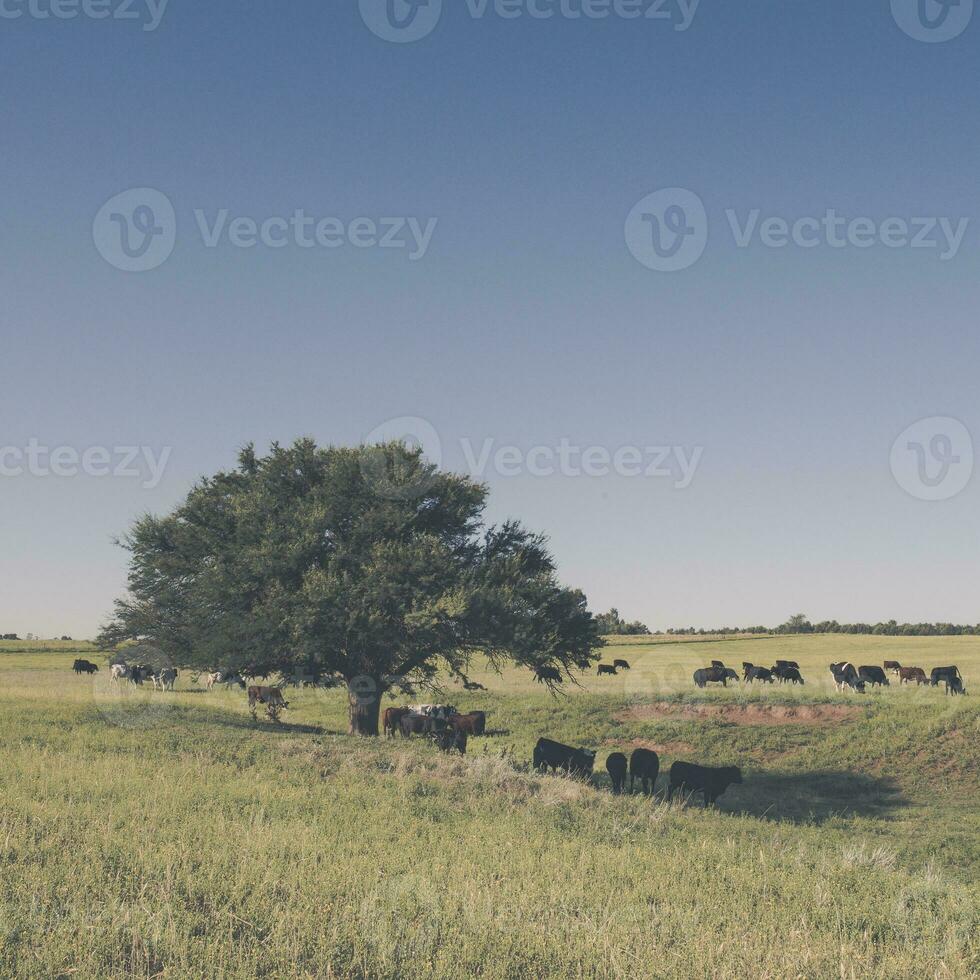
364,705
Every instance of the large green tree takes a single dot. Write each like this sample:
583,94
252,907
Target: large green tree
365,566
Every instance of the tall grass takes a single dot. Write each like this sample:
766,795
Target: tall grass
166,835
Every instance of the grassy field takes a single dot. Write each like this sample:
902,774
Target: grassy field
167,835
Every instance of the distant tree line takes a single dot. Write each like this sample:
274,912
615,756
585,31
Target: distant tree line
9,636
611,624
800,624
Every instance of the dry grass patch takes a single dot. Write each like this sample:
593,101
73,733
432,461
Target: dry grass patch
746,714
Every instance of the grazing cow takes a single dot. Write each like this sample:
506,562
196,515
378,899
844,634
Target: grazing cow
907,674
711,783
545,674
84,667
645,766
165,679
449,739
892,666
873,676
944,674
616,767
714,675
954,685
846,676
786,673
605,669
787,663
763,674
554,755
474,723
583,664
391,720
621,664
271,697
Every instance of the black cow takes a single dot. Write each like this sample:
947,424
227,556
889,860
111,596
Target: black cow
845,675
718,664
702,779
139,673
788,663
621,664
421,725
449,739
616,767
943,674
583,664
714,675
605,669
786,673
554,755
84,667
873,675
544,673
954,685
645,766
763,674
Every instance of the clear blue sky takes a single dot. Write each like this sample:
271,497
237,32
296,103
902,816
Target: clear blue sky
527,320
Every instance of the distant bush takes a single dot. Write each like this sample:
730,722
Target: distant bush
610,624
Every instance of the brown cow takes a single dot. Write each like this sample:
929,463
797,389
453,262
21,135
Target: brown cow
908,674
271,697
892,666
474,723
391,720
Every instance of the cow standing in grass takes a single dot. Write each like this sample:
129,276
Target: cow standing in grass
271,697
846,677
617,768
711,783
645,766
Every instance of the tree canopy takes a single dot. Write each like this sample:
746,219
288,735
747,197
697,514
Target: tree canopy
365,565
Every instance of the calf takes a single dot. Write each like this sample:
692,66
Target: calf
621,664
873,676
908,674
271,697
554,755
605,669
892,666
943,674
645,766
845,676
616,767
711,783
954,685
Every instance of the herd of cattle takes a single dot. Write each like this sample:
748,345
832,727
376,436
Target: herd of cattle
846,676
